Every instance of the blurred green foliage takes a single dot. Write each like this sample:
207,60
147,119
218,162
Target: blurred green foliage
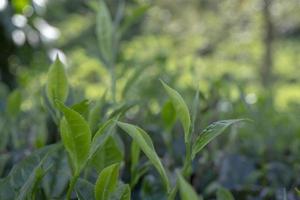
216,47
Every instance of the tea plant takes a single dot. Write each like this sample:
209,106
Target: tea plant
87,162
37,175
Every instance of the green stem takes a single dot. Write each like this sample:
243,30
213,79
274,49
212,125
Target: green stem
185,170
188,161
173,192
33,197
113,81
15,138
71,186
74,180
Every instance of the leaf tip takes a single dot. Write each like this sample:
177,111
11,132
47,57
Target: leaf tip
163,83
57,60
120,124
248,120
59,104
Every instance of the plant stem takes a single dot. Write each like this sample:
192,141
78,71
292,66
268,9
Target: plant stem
113,81
185,170
188,161
173,192
71,186
15,137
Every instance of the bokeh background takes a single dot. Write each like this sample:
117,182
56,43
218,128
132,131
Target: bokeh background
243,56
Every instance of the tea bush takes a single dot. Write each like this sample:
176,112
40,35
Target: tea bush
84,154
104,121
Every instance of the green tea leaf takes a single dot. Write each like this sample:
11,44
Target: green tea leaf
122,192
76,136
35,177
57,84
56,181
182,110
134,157
108,154
14,101
210,133
168,114
84,190
102,136
122,109
107,182
133,79
104,31
82,107
146,145
135,154
95,114
126,193
224,194
23,175
186,190
138,172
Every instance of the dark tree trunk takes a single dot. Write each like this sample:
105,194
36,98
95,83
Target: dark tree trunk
7,48
268,39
